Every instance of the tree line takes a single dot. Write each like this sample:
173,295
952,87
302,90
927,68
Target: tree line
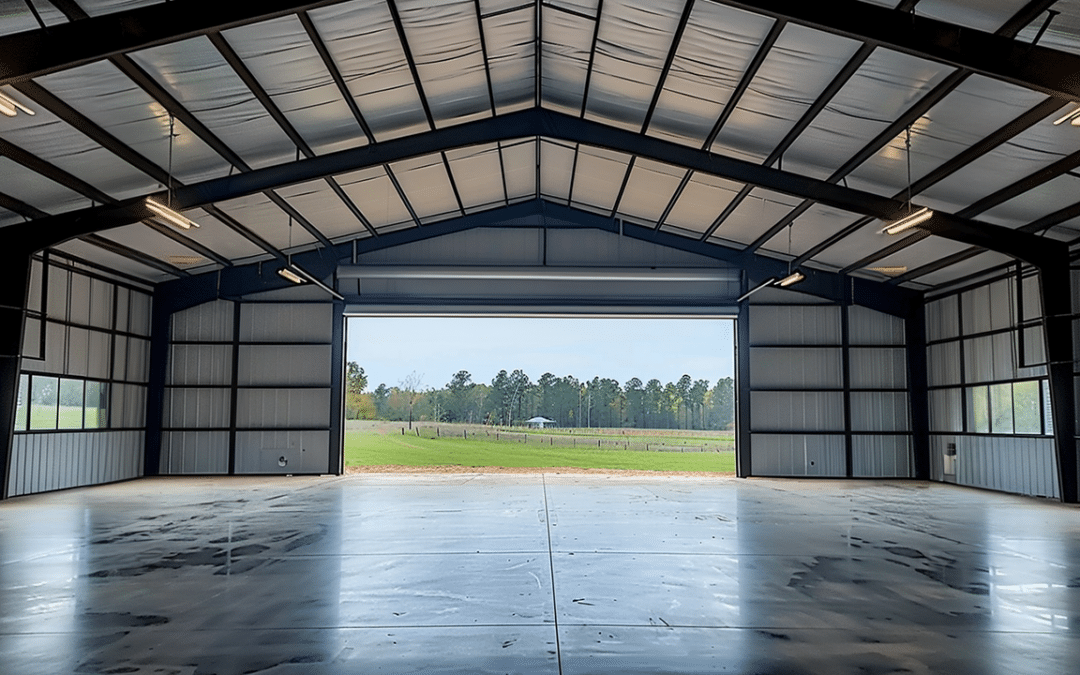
511,398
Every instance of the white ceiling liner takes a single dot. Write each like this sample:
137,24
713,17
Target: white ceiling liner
760,210
287,65
583,6
374,194
325,211
886,85
427,187
109,99
198,76
798,68
973,111
598,177
17,17
984,15
478,175
491,6
632,46
1025,154
444,39
143,238
649,190
37,190
972,265
99,7
703,77
111,261
511,48
264,218
810,229
58,143
556,170
1064,31
364,44
926,251
703,199
519,164
567,40
1047,198
219,237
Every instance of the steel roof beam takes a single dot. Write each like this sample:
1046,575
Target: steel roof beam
995,55
38,52
132,254
545,123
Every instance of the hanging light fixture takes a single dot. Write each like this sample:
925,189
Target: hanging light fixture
164,212
793,278
1072,118
913,218
11,107
288,273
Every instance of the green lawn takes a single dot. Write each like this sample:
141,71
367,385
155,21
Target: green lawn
372,449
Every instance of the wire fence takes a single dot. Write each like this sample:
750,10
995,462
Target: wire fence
641,443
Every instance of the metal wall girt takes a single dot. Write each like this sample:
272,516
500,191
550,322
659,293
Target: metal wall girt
530,123
1048,70
34,53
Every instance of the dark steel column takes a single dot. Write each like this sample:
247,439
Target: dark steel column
337,392
14,283
845,360
743,466
160,325
918,396
1054,282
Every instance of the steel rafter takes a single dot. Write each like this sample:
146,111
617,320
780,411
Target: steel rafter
592,55
1010,130
807,118
20,207
920,108
484,55
132,254
995,55
676,40
86,39
65,112
244,73
544,123
1044,175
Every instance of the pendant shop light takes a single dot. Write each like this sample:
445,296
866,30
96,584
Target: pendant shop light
164,213
913,218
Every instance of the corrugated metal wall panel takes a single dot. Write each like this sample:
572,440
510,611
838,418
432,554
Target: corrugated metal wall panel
261,451
197,408
794,325
56,461
796,411
878,368
1016,464
277,322
805,368
200,364
284,365
210,322
868,327
942,318
798,455
879,411
946,410
882,456
283,408
195,452
943,364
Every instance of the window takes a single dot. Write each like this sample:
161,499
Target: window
1008,408
44,397
70,412
22,411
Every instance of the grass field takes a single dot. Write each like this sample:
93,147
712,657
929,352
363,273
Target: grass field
376,446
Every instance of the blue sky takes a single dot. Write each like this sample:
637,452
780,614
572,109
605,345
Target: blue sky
389,348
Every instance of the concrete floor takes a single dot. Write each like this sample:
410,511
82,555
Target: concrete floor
537,574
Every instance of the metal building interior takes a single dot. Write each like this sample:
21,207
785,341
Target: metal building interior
194,195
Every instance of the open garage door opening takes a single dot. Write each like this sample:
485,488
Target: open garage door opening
652,394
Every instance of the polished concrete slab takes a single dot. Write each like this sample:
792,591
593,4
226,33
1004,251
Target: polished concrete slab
537,574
